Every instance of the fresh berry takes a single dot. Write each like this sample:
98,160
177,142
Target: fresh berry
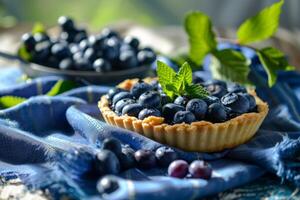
184,117
216,90
132,109
165,155
60,51
169,110
28,41
112,92
40,37
145,159
211,99
178,169
181,100
146,57
107,185
140,88
146,112
200,169
90,54
113,145
66,64
121,104
107,162
66,23
215,82
197,79
164,99
101,65
236,88
216,112
198,107
121,95
150,99
236,102
108,33
132,41
128,59
251,99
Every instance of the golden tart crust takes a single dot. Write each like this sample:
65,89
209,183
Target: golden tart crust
201,136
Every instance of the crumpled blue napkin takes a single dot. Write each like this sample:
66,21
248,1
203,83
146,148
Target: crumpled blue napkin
49,142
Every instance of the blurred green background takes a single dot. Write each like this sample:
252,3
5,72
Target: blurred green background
98,13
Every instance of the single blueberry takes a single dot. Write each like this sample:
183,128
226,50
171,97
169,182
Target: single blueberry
198,107
108,33
121,95
90,54
121,104
127,160
128,59
200,169
132,41
169,110
181,100
113,145
184,117
140,88
107,185
145,159
146,112
251,99
60,51
165,155
28,41
216,90
107,162
66,64
236,102
113,91
66,23
84,45
150,99
102,65
41,37
178,169
216,112
132,109
236,88
211,99
146,57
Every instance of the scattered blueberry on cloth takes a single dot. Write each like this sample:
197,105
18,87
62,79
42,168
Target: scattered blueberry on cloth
47,142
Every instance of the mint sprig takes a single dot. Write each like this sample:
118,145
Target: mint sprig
232,65
179,84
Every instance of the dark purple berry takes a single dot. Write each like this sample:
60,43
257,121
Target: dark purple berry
145,159
200,169
178,169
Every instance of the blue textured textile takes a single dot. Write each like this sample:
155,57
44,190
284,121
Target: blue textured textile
49,142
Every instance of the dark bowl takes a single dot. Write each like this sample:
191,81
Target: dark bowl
35,70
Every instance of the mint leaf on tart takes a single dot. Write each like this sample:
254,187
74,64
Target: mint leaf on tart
261,26
230,65
273,60
179,84
201,36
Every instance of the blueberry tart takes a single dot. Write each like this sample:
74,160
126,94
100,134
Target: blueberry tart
209,124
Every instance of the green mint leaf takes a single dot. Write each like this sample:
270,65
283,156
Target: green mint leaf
24,54
201,36
196,91
273,60
186,73
261,26
38,28
230,65
60,87
10,101
166,76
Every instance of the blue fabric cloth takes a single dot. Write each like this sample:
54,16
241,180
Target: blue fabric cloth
49,142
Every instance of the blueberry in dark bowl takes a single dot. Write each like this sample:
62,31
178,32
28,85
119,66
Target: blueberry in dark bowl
198,107
132,41
145,159
128,59
66,64
150,99
169,110
216,112
184,117
146,112
121,95
236,102
236,88
132,109
66,23
108,33
181,100
28,41
140,88
146,57
60,51
165,155
102,65
122,103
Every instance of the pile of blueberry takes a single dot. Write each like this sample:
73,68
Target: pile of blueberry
224,102
74,49
115,157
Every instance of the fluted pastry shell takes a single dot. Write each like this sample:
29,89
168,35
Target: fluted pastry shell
201,136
